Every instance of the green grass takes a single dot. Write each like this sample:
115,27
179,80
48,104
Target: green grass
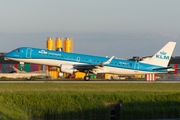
91,87
140,100
33,78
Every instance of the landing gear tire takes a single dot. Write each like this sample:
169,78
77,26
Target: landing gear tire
87,78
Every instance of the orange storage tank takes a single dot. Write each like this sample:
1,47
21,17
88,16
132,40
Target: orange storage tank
67,45
50,44
59,43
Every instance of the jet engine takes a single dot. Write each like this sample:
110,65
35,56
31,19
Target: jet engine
67,69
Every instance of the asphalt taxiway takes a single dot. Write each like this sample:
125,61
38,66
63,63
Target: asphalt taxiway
174,81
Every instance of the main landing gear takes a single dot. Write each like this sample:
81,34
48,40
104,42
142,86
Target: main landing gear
87,77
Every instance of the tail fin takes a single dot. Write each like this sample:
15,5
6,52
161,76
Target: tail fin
162,57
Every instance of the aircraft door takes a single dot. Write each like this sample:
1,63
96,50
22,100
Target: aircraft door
28,52
136,66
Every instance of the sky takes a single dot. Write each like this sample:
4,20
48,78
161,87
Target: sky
123,28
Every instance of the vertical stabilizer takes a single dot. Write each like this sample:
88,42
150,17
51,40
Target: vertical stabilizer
162,57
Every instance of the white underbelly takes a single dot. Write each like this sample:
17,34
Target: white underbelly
105,69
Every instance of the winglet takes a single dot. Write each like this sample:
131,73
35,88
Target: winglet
108,60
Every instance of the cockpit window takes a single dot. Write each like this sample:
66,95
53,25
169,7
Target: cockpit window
16,50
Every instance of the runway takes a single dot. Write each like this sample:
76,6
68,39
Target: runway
178,81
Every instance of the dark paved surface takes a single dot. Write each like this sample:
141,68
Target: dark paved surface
177,81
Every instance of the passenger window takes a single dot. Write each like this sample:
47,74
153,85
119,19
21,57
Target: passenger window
123,64
58,55
50,54
39,53
94,60
89,60
54,55
111,63
115,63
69,57
77,58
119,63
86,59
46,54
62,56
66,57
43,54
127,64
73,57
82,58
97,61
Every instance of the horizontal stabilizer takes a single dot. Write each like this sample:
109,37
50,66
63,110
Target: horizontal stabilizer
163,68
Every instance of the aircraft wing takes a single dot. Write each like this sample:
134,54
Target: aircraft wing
87,66
83,67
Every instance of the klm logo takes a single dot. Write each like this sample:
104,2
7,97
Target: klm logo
163,56
43,51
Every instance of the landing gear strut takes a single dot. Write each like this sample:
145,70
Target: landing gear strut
87,77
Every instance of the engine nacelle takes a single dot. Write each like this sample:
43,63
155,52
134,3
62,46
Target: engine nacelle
67,69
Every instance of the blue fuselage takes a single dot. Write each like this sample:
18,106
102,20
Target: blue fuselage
56,58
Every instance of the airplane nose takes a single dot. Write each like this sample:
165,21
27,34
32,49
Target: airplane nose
7,55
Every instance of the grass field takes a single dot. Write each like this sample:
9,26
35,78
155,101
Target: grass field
140,100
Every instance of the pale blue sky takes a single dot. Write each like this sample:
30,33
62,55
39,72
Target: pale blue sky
123,28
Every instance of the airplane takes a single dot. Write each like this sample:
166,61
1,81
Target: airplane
73,62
